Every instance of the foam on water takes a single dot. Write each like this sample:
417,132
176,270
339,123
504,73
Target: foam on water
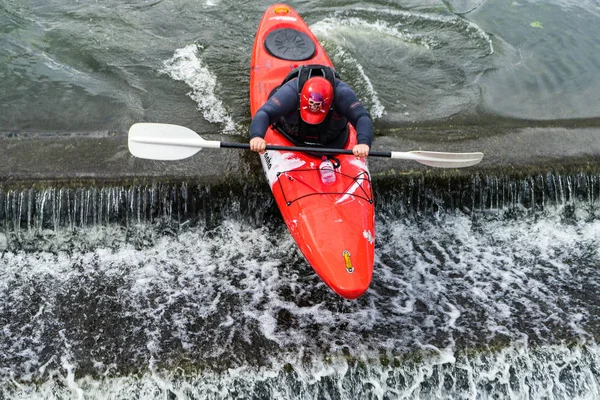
187,66
517,279
553,372
238,303
151,300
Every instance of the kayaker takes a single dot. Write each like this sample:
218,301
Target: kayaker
313,107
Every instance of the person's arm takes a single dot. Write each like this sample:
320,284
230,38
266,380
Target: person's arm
283,102
347,103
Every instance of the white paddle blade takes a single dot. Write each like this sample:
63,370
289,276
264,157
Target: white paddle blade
163,141
440,159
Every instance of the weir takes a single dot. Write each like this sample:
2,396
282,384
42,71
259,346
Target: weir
174,203
67,181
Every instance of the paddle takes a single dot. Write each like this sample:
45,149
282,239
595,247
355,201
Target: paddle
173,142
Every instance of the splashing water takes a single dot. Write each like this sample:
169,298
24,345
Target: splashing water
186,66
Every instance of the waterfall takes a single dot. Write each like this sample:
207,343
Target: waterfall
33,209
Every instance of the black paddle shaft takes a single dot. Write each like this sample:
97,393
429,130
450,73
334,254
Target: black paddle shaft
316,150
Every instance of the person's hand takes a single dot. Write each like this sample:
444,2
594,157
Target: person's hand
258,145
361,150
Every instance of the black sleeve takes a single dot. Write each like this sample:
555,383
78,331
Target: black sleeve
283,102
347,104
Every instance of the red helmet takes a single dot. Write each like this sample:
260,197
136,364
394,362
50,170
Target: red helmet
315,100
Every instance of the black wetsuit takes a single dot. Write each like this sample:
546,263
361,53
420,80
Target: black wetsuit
282,109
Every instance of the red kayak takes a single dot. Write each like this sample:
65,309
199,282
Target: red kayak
333,224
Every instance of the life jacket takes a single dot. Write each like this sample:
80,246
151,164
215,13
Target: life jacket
304,133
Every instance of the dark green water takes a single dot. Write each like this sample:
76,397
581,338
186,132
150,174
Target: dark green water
97,67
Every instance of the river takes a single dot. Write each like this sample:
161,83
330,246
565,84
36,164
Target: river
485,285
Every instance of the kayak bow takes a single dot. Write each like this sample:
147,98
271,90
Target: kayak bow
332,224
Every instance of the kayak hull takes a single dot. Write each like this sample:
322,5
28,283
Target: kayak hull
332,224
